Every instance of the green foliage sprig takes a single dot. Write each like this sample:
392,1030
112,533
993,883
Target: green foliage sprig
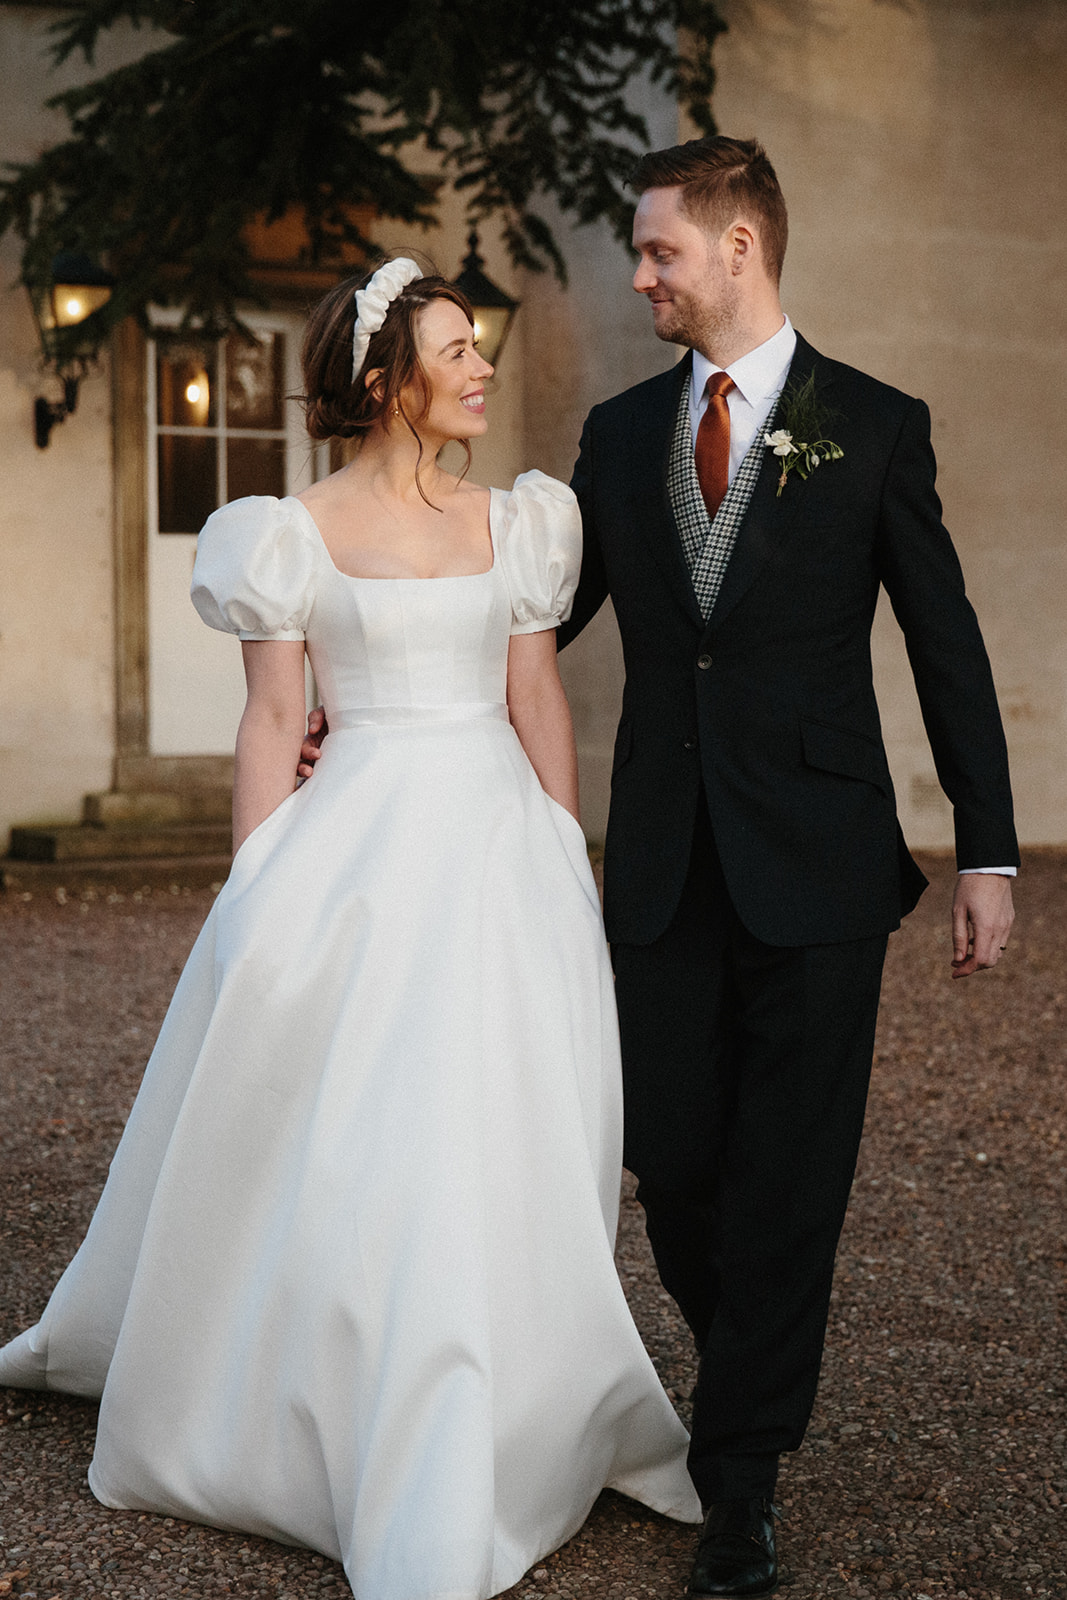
803,418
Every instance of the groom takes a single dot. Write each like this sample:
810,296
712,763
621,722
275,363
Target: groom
754,867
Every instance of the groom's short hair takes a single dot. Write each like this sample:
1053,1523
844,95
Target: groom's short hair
722,179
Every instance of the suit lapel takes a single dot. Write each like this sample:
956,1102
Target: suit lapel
769,521
654,432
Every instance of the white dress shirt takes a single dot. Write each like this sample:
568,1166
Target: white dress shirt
759,378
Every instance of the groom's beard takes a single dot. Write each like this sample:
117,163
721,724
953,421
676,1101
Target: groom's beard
709,321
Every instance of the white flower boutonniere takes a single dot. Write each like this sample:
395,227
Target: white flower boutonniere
805,419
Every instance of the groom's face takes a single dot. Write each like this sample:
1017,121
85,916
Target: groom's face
682,269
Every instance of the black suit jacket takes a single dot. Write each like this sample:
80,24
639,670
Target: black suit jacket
770,706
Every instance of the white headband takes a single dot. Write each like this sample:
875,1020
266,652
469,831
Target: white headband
374,301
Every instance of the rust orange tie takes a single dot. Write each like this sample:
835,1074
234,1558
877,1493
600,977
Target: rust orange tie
713,443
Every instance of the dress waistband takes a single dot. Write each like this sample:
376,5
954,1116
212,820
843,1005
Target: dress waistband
385,716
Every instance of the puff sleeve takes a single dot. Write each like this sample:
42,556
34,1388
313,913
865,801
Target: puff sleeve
539,546
253,569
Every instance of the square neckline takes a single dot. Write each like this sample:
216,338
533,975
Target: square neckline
444,577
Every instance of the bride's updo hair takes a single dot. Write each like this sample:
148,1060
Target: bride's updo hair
335,405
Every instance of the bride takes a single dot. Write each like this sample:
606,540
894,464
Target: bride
350,1283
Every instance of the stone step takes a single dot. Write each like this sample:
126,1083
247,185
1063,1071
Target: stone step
89,879
142,806
85,842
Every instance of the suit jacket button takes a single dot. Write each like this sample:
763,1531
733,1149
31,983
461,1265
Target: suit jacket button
704,662
689,744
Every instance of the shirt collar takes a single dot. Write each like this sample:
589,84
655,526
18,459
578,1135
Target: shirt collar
757,375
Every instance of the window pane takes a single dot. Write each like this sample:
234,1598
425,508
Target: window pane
187,482
255,466
185,386
254,397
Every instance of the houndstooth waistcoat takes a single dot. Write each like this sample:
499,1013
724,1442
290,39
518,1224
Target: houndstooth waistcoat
708,544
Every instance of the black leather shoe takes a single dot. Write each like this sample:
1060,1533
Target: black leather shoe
736,1554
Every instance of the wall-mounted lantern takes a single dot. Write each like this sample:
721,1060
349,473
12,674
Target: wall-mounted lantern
493,310
62,309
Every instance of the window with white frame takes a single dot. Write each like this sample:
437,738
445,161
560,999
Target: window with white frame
220,424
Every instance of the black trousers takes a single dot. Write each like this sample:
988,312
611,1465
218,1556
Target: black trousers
746,1068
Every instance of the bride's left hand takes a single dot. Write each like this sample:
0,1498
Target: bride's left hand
311,749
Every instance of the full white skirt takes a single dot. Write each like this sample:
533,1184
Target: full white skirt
350,1284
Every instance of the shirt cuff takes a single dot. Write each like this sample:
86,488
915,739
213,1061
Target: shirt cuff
1003,872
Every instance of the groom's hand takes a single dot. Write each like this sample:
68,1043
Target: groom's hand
982,915
311,749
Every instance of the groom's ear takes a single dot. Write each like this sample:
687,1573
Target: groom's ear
740,247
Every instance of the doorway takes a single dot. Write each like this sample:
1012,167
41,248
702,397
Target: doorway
221,423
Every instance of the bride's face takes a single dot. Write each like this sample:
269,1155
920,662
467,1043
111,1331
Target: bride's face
455,373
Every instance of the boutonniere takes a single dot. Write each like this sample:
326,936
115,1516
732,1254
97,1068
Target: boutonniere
804,418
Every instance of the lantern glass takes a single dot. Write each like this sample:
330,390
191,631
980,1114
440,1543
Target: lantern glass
69,296
71,303
490,330
493,309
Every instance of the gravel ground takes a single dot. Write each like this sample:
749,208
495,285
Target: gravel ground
935,1465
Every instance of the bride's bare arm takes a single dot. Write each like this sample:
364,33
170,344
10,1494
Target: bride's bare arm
272,726
541,716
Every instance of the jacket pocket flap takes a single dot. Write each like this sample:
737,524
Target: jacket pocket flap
846,752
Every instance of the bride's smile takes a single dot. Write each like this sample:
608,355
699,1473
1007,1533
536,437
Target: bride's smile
455,375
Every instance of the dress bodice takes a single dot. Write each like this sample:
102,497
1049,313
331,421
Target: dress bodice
263,572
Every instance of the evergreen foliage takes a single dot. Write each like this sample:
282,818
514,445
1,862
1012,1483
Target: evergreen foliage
251,107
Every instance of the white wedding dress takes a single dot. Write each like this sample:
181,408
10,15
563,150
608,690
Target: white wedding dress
350,1284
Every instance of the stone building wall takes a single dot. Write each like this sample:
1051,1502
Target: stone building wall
921,145
56,580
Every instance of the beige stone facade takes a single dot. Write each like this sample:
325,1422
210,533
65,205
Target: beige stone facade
921,147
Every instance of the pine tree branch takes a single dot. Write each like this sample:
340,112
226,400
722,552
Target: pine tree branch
249,108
